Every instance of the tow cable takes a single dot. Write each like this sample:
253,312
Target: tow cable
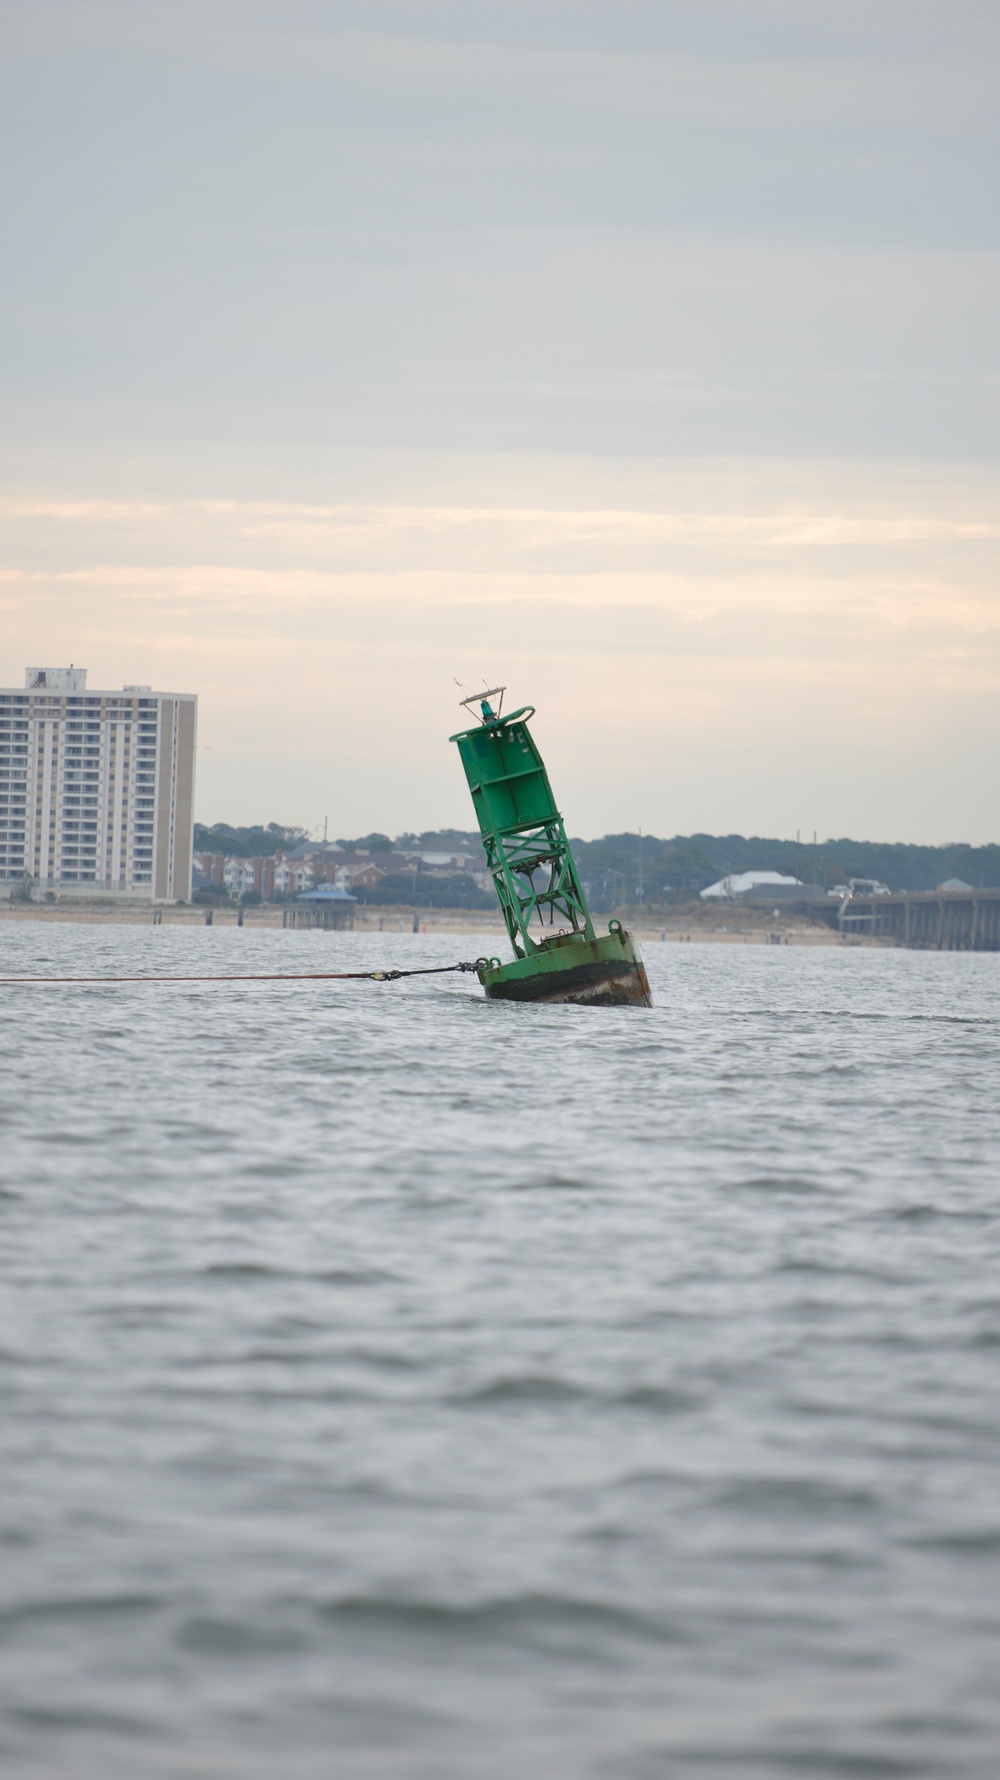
308,976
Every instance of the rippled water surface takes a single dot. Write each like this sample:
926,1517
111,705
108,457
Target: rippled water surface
396,1384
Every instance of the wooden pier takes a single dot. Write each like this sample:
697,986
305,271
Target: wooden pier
929,921
331,917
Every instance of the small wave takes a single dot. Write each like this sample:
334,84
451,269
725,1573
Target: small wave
384,1359
528,1388
332,1276
780,1183
664,1399
76,1607
974,1540
556,1183
236,1637
803,1494
544,1388
241,1270
521,1617
836,1270
611,1533
83,1718
799,1760
354,1276
820,1557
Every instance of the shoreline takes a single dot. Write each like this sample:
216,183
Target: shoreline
697,928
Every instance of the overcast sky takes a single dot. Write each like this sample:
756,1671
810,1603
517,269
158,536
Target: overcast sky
643,354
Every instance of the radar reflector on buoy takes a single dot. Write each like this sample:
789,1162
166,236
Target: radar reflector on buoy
483,699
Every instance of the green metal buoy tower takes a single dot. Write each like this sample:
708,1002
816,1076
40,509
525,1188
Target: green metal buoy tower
557,954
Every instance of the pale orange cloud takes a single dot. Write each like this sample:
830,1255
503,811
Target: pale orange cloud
790,653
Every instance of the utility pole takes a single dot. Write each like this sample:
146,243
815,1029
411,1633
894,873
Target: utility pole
640,892
620,875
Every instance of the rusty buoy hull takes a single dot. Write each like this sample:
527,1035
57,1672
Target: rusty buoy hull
606,971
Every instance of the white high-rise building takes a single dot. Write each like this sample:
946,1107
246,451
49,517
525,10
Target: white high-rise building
96,788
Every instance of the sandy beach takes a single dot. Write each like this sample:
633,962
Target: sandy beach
696,926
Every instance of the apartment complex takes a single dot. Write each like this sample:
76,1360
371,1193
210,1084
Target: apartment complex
96,788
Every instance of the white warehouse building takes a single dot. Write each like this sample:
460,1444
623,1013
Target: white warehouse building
744,883
96,788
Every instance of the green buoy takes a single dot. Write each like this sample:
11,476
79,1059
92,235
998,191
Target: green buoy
557,954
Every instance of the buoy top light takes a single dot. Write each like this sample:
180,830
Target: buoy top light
483,701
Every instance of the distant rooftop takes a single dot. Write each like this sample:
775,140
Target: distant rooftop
326,893
738,883
69,679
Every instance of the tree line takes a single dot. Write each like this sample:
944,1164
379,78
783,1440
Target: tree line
617,865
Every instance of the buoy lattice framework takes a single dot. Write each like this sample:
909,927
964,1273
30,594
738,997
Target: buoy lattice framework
524,836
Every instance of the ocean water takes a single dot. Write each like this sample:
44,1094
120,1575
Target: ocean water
400,1385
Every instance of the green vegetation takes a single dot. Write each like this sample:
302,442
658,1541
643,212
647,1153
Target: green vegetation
367,843
677,868
673,870
420,890
211,893
246,843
